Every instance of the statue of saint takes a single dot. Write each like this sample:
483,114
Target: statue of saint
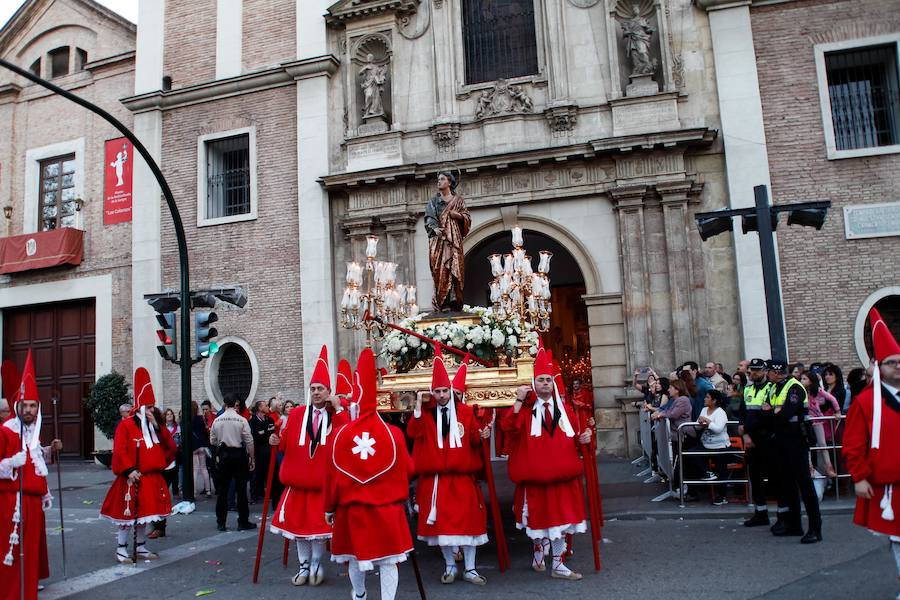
637,33
372,78
447,222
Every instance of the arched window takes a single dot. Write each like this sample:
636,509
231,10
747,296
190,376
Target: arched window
81,57
59,61
499,39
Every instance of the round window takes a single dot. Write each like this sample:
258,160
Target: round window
235,374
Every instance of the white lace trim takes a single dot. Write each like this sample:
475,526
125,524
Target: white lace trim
455,540
368,565
292,536
553,532
140,521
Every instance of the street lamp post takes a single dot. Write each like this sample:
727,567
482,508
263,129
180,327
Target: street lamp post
763,218
185,358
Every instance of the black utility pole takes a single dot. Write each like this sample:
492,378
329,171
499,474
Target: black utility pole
185,358
764,219
777,343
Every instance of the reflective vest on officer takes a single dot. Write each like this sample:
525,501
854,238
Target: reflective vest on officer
753,398
779,398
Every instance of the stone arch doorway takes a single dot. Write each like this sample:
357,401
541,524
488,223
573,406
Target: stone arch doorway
568,337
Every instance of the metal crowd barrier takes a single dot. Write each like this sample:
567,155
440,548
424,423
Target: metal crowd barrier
681,454
834,423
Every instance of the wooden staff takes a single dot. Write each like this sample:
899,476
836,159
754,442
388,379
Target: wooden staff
284,553
19,409
499,533
136,493
589,468
59,492
265,511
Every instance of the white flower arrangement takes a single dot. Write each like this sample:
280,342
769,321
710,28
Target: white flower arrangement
492,339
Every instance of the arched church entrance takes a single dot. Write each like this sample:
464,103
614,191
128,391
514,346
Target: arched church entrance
568,336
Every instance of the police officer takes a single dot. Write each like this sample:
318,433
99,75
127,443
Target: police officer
789,405
757,434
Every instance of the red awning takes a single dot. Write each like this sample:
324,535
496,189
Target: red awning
64,246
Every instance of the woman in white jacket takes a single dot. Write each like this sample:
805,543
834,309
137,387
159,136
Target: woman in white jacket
713,422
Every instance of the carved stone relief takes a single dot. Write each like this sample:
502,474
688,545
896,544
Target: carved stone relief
584,3
445,136
503,99
562,119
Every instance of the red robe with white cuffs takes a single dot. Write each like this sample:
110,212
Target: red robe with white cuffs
547,470
370,518
32,527
461,515
305,472
880,466
152,501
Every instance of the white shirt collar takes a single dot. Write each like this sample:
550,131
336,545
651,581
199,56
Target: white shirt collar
892,389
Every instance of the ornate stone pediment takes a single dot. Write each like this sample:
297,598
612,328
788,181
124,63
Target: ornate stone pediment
349,10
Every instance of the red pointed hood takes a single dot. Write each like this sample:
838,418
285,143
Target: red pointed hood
143,390
320,372
543,363
27,388
883,341
344,384
28,391
365,449
439,376
459,380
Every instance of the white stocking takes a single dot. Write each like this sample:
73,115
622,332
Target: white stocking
303,552
558,548
390,577
318,549
449,559
469,556
538,550
141,530
357,579
122,535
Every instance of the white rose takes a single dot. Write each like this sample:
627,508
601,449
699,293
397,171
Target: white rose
497,338
469,346
413,341
512,340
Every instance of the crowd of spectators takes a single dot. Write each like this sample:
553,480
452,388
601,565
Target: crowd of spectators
714,401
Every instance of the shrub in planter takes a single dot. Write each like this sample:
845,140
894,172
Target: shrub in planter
107,394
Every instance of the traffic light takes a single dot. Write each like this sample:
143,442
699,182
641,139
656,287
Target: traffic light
167,336
205,345
710,225
808,217
750,222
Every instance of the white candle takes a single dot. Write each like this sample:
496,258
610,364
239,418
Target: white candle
411,295
495,292
496,264
371,246
544,266
517,236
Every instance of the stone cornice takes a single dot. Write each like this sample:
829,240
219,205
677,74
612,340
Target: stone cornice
9,91
417,171
282,75
709,5
349,10
103,63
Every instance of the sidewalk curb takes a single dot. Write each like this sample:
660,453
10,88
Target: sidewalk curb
704,514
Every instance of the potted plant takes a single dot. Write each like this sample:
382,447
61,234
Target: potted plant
107,394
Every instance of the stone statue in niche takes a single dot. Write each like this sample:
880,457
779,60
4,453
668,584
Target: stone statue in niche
372,78
637,32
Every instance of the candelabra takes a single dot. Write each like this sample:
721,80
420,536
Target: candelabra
380,300
517,289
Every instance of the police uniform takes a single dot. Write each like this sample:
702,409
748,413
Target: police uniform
758,425
790,402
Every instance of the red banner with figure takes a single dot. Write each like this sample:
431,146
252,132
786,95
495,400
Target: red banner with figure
117,181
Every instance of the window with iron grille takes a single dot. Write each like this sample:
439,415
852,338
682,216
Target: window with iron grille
865,97
499,39
57,204
228,177
235,375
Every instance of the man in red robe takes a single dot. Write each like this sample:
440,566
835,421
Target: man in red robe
370,487
142,449
545,465
22,517
447,456
306,442
872,440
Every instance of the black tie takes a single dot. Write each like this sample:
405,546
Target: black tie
445,420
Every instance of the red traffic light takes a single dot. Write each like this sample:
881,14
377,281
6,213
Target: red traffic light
163,338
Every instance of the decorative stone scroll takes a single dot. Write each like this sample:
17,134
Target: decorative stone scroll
502,99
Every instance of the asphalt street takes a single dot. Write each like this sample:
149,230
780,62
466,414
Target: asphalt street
650,550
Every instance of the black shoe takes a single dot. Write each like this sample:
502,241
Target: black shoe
787,530
779,523
222,527
758,519
246,526
812,537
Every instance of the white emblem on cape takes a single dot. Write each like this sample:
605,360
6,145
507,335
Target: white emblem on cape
364,445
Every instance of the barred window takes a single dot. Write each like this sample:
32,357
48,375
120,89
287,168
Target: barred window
499,39
228,177
235,375
865,97
57,205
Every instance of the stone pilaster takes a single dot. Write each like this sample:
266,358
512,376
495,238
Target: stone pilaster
399,245
607,339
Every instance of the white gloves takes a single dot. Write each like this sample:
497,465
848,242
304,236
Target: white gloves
47,502
17,460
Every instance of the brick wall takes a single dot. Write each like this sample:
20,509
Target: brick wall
825,278
262,255
269,33
190,42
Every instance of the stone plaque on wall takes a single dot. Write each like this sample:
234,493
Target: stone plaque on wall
373,153
650,114
872,220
